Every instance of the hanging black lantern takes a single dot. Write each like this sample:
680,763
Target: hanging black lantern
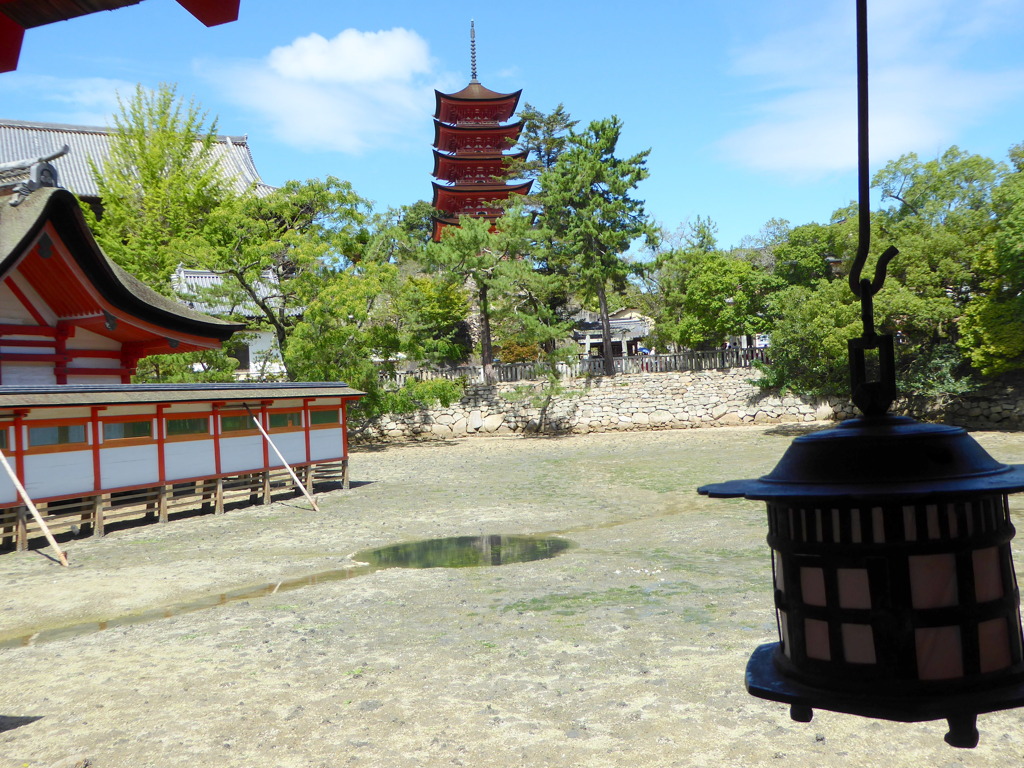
895,591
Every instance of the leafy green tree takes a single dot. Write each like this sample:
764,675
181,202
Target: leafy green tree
348,333
591,215
544,137
273,252
159,183
992,328
479,258
940,217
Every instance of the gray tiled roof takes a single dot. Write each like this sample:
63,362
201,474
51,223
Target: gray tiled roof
21,140
198,289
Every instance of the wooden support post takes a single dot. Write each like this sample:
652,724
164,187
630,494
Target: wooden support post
265,478
161,501
99,505
202,490
21,530
344,475
307,477
218,497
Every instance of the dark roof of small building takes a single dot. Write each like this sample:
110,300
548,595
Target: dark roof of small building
20,140
20,224
110,394
627,328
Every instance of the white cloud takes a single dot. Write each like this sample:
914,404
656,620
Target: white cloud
353,57
76,101
802,115
354,92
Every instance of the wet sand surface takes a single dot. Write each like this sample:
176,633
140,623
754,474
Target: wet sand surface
626,650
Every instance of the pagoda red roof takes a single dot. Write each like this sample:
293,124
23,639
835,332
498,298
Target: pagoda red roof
478,197
475,138
475,99
475,165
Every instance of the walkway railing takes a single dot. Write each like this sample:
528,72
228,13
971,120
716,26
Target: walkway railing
511,372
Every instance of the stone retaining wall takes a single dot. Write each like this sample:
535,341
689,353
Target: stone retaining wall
602,404
642,401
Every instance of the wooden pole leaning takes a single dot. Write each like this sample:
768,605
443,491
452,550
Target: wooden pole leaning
295,478
35,512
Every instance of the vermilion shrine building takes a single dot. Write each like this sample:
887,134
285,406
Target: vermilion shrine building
89,446
472,137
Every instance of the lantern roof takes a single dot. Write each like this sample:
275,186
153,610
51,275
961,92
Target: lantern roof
879,459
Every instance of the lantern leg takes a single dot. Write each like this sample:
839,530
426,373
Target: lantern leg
963,731
801,713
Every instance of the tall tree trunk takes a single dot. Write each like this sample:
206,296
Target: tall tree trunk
486,350
606,330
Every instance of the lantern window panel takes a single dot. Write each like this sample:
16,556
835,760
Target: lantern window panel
988,574
780,576
933,581
939,653
994,645
859,644
816,642
784,634
812,586
854,588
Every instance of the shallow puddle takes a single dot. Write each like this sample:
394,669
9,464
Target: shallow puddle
454,552
464,552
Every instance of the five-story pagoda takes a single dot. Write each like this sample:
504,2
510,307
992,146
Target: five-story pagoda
471,143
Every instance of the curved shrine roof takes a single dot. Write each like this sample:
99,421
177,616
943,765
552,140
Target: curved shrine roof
166,325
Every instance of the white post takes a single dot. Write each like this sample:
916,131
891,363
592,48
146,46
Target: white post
287,466
32,508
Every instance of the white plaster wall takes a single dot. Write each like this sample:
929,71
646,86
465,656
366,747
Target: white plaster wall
29,374
129,465
241,454
8,492
189,458
292,446
54,474
325,444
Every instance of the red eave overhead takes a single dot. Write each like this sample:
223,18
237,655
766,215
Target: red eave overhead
481,166
475,138
475,102
18,15
69,295
475,196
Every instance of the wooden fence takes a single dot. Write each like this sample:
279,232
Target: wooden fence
511,372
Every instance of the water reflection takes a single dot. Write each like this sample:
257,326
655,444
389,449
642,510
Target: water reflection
455,552
464,552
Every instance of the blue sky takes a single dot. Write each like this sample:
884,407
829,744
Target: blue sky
748,107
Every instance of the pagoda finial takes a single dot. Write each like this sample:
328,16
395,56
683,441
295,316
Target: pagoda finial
472,51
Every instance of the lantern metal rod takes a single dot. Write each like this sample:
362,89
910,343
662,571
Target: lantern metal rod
865,289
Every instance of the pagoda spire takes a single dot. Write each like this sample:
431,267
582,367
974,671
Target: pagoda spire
472,52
